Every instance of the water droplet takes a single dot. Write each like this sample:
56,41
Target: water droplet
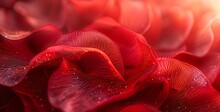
97,98
194,79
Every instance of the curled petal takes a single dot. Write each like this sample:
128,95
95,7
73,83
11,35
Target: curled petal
201,39
148,93
96,40
188,88
33,90
153,33
17,48
209,65
176,26
139,20
137,55
13,66
85,76
31,42
215,28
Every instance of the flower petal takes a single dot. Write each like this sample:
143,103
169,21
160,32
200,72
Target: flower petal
41,12
12,20
201,38
139,20
33,90
209,65
153,33
138,57
149,90
13,66
17,48
176,26
215,28
85,76
96,40
90,10
188,88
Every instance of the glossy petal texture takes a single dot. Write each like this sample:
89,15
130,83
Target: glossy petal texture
148,93
188,88
105,60
17,48
93,39
85,76
209,65
33,90
134,49
13,66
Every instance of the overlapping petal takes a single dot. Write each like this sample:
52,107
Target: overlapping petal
40,12
85,76
33,90
138,57
148,93
104,61
17,48
188,88
176,26
139,21
209,65
94,39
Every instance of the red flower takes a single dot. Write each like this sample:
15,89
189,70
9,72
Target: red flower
109,55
